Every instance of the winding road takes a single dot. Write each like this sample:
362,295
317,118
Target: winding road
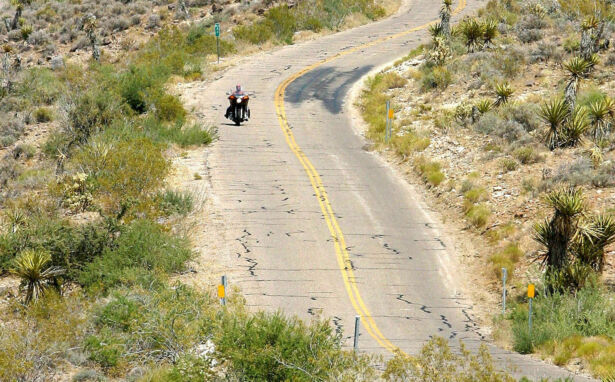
319,225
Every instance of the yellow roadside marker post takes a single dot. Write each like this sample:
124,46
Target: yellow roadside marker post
222,291
531,291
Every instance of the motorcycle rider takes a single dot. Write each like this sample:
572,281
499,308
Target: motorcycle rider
239,94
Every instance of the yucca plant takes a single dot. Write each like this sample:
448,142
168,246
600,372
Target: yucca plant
590,248
445,17
19,7
554,113
436,30
490,32
503,92
601,115
576,126
36,277
472,31
577,68
558,233
484,106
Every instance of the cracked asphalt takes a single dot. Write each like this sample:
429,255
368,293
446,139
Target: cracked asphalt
283,255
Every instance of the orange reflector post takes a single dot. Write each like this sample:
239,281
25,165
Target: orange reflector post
390,113
221,293
531,291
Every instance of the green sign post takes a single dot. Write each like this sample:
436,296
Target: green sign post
217,31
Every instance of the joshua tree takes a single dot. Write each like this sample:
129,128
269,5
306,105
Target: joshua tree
89,26
19,6
601,114
445,17
435,30
554,113
577,68
503,92
36,277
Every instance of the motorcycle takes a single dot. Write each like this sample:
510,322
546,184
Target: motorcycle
238,111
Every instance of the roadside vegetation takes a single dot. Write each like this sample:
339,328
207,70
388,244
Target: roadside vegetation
508,118
91,231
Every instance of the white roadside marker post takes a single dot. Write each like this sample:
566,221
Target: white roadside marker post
357,321
504,274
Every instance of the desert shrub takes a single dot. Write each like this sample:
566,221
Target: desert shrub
43,114
24,151
139,326
527,155
610,60
558,316
576,173
256,33
545,52
136,87
527,36
272,347
509,130
70,247
175,202
372,103
40,86
10,130
507,258
509,61
474,195
184,136
41,336
508,164
89,112
478,215
437,77
409,143
141,254
430,170
525,114
604,176
169,108
438,362
123,171
392,80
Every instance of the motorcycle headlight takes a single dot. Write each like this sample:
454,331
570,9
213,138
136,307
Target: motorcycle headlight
239,100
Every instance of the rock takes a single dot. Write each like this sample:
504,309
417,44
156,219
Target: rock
57,62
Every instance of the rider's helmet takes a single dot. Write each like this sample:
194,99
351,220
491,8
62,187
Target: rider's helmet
238,88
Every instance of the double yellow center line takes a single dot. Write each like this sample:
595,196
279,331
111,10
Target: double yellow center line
343,258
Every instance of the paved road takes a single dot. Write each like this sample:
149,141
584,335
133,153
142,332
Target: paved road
321,226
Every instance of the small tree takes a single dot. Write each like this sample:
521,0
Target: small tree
490,32
445,17
36,277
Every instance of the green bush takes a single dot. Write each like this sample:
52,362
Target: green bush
89,112
169,108
272,347
43,114
478,215
507,258
175,202
40,86
558,316
136,88
437,77
142,254
257,33
527,155
430,170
